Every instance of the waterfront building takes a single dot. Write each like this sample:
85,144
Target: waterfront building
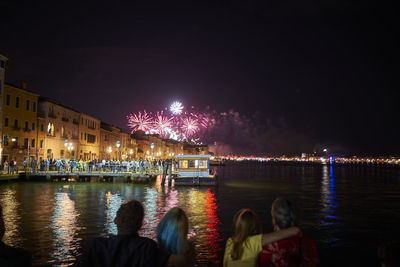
190,149
128,146
19,121
156,145
89,137
172,148
115,143
3,61
58,129
110,141
143,145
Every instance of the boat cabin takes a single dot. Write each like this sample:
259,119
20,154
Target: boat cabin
193,165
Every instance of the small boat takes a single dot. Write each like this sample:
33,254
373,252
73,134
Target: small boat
194,170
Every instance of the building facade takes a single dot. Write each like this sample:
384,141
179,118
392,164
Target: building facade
58,130
3,61
110,137
19,121
89,137
128,146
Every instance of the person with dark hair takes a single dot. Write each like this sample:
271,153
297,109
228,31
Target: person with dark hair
127,248
389,254
243,248
292,251
175,249
10,256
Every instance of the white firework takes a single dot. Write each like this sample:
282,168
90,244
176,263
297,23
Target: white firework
176,108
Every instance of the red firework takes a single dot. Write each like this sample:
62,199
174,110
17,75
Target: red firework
162,124
189,126
140,121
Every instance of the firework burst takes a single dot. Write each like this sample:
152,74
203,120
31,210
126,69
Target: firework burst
162,125
176,108
174,123
140,121
190,126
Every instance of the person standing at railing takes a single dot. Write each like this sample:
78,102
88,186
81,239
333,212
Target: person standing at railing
46,165
80,165
5,165
11,167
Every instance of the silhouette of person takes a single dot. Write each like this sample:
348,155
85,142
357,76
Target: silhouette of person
10,256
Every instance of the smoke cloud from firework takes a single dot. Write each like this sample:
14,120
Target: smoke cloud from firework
225,132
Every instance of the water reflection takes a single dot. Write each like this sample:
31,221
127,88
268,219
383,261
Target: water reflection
152,216
202,212
76,212
113,202
11,217
329,204
65,227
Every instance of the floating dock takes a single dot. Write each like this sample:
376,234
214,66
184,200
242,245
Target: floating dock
194,170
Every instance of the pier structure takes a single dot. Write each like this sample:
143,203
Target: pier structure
116,177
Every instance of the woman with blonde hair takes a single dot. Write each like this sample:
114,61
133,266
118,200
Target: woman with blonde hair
243,248
175,248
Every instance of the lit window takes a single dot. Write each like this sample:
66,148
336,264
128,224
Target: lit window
191,163
50,129
203,164
183,164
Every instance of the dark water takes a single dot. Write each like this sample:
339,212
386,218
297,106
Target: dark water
347,210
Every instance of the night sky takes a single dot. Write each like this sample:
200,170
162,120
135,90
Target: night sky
304,75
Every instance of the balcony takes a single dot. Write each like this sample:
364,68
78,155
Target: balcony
16,128
41,114
64,136
27,130
65,119
75,121
52,115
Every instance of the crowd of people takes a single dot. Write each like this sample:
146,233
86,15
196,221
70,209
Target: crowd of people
248,246
9,167
72,165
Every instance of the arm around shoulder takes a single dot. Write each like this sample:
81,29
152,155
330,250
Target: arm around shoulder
279,235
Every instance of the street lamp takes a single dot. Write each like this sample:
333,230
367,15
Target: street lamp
152,150
14,146
70,149
109,151
118,144
66,145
